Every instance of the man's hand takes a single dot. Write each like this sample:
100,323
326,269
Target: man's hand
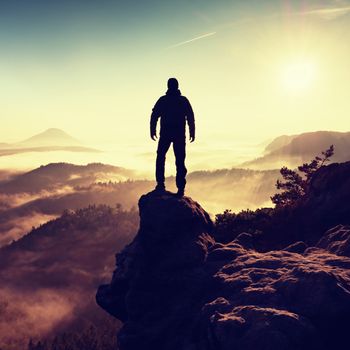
192,138
154,136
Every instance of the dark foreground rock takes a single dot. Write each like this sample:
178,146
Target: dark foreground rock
175,288
157,287
336,240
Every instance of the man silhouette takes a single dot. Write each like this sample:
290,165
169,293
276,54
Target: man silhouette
174,110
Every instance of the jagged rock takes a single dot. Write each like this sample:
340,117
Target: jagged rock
297,247
336,240
157,287
175,288
323,207
294,301
245,239
252,327
326,204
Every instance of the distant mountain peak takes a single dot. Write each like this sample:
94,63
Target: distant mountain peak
51,137
54,131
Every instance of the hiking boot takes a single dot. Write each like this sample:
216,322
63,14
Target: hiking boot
180,192
160,187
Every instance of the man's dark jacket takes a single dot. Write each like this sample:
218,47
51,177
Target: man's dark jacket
174,109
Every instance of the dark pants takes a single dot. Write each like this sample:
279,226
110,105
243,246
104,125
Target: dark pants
179,147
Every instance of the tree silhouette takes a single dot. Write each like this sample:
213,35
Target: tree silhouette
295,185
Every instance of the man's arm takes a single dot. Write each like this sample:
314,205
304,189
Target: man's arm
154,119
190,120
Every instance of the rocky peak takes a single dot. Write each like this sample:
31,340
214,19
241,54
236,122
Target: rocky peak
167,216
159,277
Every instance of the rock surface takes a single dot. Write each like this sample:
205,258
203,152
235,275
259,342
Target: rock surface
157,286
336,240
176,288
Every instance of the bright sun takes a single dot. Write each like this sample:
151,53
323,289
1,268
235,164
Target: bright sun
298,76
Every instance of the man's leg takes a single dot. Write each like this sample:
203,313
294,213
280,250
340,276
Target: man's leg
163,146
179,145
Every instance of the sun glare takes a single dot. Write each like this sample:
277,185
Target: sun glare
298,76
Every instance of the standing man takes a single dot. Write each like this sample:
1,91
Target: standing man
174,110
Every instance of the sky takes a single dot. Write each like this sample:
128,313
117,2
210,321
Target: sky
252,70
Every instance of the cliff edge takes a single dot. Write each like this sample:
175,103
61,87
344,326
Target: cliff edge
157,287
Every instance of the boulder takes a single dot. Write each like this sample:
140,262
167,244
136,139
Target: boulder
336,240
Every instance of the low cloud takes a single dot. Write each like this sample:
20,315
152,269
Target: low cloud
48,280
32,316
6,175
15,228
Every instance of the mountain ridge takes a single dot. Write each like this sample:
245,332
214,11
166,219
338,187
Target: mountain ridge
293,150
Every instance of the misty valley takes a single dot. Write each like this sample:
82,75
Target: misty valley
61,225
174,175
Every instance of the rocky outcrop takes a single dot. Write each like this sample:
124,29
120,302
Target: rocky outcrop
322,208
174,287
157,287
336,240
327,203
278,300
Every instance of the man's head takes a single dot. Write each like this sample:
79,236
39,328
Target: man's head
173,84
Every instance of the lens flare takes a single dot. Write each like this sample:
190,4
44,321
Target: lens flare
298,76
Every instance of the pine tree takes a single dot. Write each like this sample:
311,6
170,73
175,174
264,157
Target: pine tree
294,185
